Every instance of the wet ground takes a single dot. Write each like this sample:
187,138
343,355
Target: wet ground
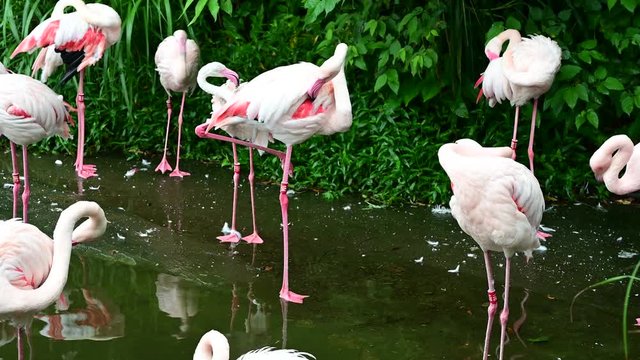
381,282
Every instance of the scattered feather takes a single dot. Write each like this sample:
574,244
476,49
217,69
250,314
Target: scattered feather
626,254
130,172
456,270
440,210
419,260
58,162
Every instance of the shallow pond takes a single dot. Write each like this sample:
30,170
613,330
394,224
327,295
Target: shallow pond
380,281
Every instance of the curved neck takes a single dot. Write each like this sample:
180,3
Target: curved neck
342,118
49,291
212,346
625,156
219,91
494,46
91,16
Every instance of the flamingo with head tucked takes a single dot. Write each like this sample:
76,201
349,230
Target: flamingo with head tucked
81,37
499,203
244,131
215,346
293,102
29,112
177,63
34,267
608,161
525,71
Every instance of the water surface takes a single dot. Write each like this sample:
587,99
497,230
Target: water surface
379,280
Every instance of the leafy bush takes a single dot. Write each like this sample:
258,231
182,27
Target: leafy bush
411,71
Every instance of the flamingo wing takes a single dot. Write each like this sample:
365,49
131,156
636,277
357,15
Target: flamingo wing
535,62
271,353
26,254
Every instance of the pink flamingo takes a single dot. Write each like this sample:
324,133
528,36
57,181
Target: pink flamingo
176,62
486,181
29,112
243,131
293,102
82,37
34,267
525,71
609,160
215,346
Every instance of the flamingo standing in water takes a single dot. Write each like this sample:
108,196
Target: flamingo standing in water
34,268
525,71
29,112
81,37
608,161
247,132
177,63
293,102
499,203
215,346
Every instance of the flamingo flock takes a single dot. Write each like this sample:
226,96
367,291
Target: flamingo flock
291,104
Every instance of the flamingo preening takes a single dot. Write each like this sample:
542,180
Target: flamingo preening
29,112
486,181
525,71
244,131
176,60
293,102
34,267
81,37
607,162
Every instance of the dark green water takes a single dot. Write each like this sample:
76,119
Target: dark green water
158,279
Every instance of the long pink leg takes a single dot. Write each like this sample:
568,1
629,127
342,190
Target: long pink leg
504,316
493,304
533,129
254,238
26,192
16,178
164,164
20,349
514,140
85,171
176,171
285,293
233,236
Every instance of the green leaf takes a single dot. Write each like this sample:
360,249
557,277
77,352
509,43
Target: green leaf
626,102
592,118
589,44
380,82
199,7
568,72
227,6
612,83
394,48
580,120
371,26
636,96
513,23
214,8
629,4
382,60
585,56
611,3
600,73
571,97
392,80
582,92
564,15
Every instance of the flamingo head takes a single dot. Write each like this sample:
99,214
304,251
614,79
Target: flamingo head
491,55
231,76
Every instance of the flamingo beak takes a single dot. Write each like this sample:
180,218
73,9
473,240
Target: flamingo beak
313,91
232,76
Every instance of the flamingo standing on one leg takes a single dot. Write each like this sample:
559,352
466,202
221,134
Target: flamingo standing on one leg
177,63
294,103
608,161
247,132
34,268
215,346
485,181
81,37
29,112
525,71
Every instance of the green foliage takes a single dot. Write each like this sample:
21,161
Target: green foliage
411,69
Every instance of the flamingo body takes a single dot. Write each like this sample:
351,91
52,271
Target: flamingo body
215,346
524,72
608,161
499,203
177,63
